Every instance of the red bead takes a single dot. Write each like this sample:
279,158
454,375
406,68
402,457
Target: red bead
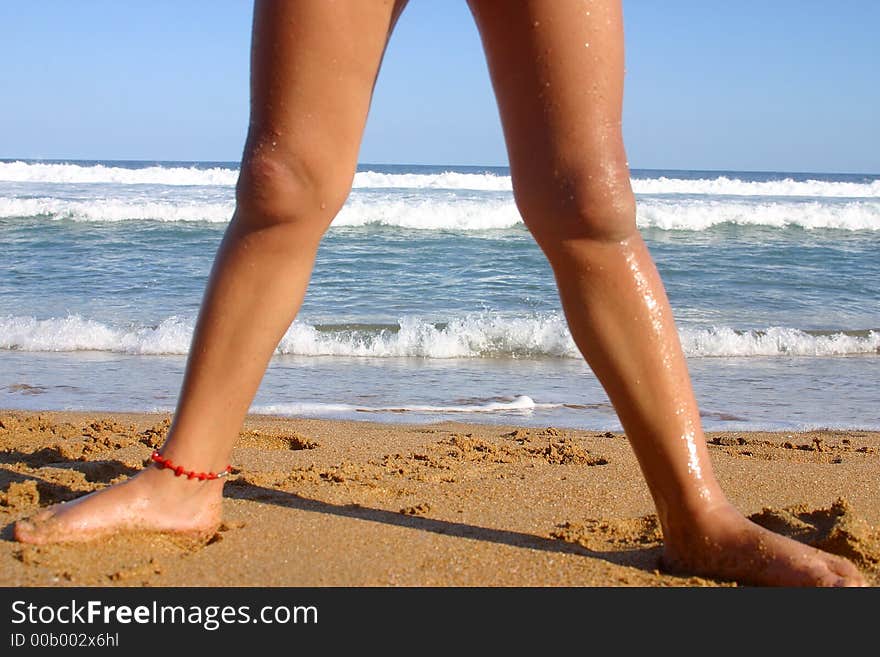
178,470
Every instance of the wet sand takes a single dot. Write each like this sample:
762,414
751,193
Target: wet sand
338,503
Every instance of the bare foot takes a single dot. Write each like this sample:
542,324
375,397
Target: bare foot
152,500
725,545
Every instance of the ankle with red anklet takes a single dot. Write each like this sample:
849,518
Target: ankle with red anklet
165,463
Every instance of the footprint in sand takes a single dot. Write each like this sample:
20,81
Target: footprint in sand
836,529
286,441
618,533
813,449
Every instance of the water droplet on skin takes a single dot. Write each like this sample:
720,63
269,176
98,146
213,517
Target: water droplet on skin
536,23
586,45
693,457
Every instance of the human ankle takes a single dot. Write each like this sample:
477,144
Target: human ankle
696,515
191,456
697,526
165,463
157,478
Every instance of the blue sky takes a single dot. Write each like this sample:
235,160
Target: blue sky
778,85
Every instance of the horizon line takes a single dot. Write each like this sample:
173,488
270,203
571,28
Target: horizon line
61,160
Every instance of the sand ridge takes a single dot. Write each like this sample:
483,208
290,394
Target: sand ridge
315,502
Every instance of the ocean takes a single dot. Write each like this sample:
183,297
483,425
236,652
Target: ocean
430,301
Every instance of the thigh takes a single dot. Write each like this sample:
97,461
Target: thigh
313,67
557,70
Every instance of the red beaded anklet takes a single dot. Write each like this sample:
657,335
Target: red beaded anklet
162,462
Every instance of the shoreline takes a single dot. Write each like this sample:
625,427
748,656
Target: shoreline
318,502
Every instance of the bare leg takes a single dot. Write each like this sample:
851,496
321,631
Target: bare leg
313,68
557,69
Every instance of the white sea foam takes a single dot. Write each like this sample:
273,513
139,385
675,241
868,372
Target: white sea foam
35,172
468,214
698,214
30,172
116,209
521,403
724,186
472,336
75,333
488,182
429,213
776,341
483,335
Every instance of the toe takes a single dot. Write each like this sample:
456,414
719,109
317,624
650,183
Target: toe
25,531
847,572
837,572
32,529
828,578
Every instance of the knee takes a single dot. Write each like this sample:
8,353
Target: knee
276,188
565,207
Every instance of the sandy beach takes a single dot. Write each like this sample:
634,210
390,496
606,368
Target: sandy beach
340,503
